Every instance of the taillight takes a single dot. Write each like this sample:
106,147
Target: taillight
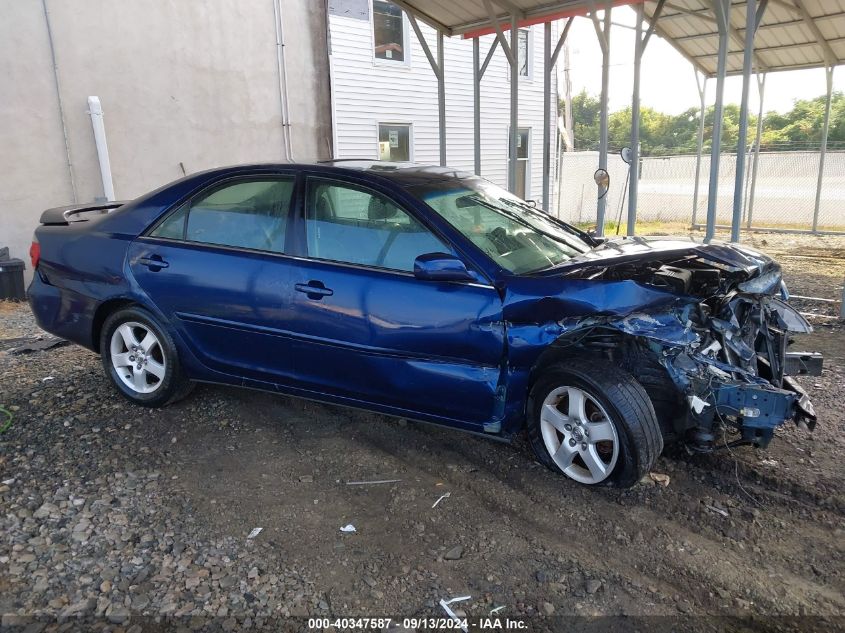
34,253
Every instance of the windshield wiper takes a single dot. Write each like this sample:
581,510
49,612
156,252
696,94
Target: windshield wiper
557,238
533,210
516,218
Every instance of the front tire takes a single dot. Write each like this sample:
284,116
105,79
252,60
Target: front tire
594,423
141,360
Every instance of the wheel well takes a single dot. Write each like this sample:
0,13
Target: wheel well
592,343
631,354
103,311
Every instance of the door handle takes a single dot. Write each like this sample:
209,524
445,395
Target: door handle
153,262
314,289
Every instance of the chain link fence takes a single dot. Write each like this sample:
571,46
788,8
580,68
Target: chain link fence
784,196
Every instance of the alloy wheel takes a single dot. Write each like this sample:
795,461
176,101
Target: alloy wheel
138,357
579,435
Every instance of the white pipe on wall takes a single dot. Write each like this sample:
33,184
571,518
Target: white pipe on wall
57,84
283,80
95,109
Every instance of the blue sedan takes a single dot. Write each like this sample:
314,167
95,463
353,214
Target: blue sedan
430,294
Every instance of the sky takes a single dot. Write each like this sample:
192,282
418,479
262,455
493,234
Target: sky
667,79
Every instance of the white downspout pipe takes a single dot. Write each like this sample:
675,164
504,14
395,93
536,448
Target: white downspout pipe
95,109
283,80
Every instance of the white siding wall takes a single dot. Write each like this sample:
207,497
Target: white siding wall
368,92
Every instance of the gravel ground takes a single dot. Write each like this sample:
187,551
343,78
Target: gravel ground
123,515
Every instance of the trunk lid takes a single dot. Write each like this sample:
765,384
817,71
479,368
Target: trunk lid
58,216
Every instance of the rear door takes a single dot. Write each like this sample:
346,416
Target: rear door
216,267
366,329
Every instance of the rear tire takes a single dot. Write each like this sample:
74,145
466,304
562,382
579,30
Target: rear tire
140,358
593,422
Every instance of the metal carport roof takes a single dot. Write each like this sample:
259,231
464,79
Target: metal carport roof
711,34
467,16
792,34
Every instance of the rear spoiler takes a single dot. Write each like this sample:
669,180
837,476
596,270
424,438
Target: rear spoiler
79,212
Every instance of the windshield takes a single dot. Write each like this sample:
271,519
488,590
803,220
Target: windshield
518,237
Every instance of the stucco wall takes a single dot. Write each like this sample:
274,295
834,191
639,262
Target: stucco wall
182,84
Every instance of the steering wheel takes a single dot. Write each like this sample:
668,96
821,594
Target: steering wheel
499,236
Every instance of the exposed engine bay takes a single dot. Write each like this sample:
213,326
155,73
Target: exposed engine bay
722,342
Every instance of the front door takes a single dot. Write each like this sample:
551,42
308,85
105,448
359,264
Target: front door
366,329
216,268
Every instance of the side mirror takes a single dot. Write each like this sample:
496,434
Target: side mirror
627,154
602,179
441,267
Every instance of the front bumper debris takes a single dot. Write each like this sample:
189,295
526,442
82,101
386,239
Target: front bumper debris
732,368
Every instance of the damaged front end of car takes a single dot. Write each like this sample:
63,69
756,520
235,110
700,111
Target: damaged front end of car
720,332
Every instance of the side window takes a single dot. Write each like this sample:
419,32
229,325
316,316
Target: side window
356,226
247,214
174,226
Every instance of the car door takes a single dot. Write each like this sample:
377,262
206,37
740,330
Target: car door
366,329
216,268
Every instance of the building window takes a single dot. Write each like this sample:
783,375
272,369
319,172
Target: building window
523,162
388,31
394,141
524,52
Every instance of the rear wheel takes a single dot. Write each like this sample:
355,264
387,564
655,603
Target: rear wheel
141,359
594,423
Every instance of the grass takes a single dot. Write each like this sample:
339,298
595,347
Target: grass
7,307
657,227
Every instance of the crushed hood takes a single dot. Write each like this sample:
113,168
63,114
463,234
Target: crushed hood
632,250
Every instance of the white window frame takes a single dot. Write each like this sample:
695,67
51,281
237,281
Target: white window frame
406,42
408,124
529,52
527,160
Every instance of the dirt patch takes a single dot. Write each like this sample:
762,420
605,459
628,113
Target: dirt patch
139,502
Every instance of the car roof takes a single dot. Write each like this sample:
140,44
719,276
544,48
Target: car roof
405,174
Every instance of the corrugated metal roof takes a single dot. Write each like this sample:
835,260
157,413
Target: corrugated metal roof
458,17
793,34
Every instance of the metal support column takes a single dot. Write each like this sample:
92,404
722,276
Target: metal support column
634,167
437,68
476,105
701,82
603,34
761,90
825,129
752,20
549,61
547,93
634,175
513,132
511,53
721,8
478,70
441,98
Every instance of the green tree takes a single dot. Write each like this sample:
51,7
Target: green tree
663,134
585,120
